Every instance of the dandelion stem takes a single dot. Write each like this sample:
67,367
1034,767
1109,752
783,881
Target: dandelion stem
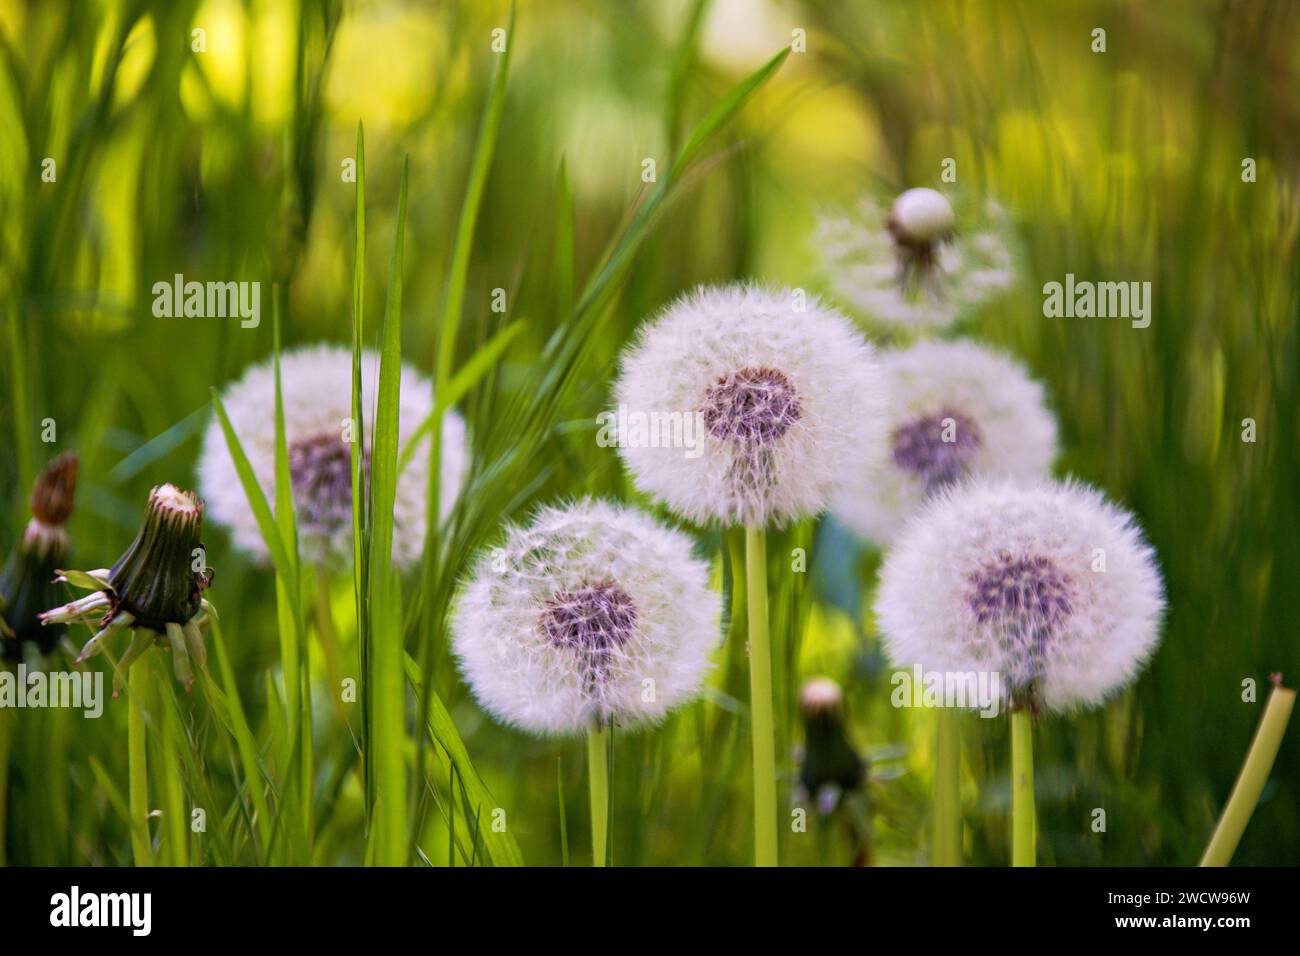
598,787
947,792
1250,781
1024,826
564,823
762,728
138,679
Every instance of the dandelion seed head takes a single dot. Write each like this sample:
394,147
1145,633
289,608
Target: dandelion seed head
1047,584
956,410
916,266
317,390
787,391
590,612
920,447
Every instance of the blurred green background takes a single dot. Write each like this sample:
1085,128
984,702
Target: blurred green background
226,164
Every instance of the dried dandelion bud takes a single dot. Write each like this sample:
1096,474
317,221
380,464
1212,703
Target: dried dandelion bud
154,591
831,765
27,584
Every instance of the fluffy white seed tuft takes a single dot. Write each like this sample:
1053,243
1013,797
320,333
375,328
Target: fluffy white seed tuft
317,386
1047,584
922,214
591,612
956,410
785,392
875,267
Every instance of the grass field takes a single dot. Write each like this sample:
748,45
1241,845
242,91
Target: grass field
463,187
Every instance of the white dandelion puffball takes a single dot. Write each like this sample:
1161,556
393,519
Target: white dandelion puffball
778,394
916,265
1048,585
317,386
591,612
956,409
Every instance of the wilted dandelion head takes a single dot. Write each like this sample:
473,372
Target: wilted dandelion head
917,265
778,395
591,612
1047,584
27,584
317,386
956,410
154,591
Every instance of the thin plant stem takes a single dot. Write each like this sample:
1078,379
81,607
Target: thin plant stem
564,823
1250,781
598,789
1024,825
762,726
331,647
139,684
947,790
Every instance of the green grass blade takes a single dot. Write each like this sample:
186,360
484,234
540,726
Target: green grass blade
266,523
500,848
360,494
387,700
469,210
229,709
466,377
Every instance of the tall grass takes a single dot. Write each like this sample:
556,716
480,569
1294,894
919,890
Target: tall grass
524,175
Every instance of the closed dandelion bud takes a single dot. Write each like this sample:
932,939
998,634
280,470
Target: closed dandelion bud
831,765
155,578
154,592
1047,585
27,583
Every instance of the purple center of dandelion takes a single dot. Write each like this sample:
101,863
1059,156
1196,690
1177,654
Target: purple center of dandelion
320,467
592,619
936,448
752,406
1020,592
1026,600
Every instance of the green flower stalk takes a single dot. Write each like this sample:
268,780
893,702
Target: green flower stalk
1253,776
154,591
27,583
